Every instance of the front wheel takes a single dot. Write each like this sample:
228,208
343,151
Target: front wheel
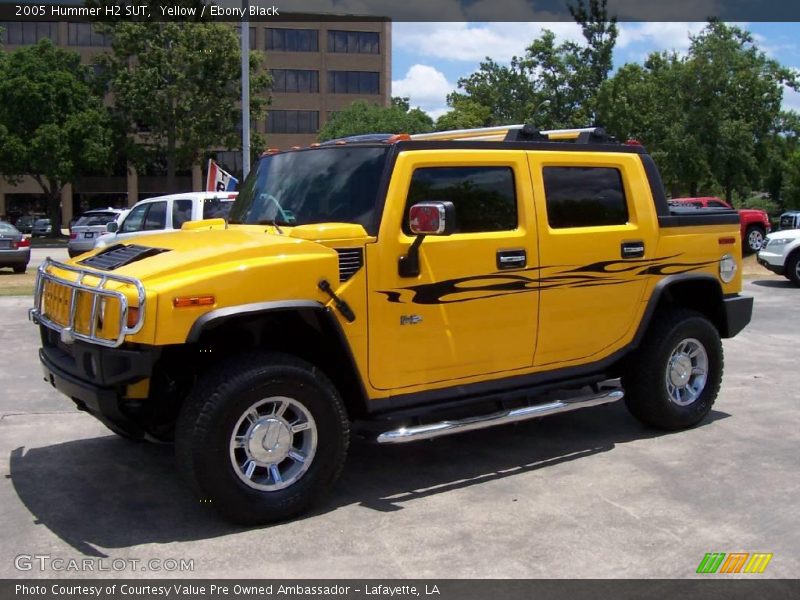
754,239
672,382
263,438
793,268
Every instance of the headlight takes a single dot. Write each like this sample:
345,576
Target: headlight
727,268
778,242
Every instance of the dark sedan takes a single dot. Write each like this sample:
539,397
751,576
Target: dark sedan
15,248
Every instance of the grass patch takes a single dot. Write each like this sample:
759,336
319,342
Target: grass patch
12,284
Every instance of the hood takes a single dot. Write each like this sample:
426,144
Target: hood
171,255
784,234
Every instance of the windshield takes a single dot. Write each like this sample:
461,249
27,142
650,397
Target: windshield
96,219
338,184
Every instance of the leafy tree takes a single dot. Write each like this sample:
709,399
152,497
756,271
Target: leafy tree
52,126
467,113
176,89
552,85
362,117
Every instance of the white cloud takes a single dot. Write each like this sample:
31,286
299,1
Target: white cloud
791,99
658,36
472,42
426,87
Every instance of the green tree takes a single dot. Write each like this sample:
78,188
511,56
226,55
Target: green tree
176,89
53,128
551,85
362,117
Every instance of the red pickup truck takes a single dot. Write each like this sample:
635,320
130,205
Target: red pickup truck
754,222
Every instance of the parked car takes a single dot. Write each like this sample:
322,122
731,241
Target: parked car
790,220
15,248
781,254
167,213
25,223
41,227
754,222
91,225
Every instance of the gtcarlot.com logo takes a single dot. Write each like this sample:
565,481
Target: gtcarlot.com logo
735,562
46,562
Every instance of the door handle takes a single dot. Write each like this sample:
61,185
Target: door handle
511,259
632,249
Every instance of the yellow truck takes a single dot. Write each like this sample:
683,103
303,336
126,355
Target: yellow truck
405,287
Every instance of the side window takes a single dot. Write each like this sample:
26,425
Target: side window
214,208
584,197
484,197
135,220
156,217
181,212
716,204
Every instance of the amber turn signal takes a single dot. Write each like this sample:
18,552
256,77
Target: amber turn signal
187,301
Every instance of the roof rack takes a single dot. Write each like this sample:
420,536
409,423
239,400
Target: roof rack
521,132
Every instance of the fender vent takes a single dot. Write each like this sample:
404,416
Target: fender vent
350,261
119,256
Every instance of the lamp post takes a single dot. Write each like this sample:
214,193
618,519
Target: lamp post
245,39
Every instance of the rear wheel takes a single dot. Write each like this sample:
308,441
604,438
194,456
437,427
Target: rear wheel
672,382
262,438
793,268
754,239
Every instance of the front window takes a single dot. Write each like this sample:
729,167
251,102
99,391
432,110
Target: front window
337,184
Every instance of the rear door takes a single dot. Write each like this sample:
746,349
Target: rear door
598,234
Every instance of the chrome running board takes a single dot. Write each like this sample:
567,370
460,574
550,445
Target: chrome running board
433,430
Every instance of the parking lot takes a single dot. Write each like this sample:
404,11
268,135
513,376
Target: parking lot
587,494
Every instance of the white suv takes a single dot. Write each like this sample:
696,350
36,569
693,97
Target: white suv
168,213
781,254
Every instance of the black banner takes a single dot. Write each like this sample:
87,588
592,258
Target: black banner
372,10
367,589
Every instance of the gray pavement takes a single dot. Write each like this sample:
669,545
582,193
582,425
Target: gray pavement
587,494
39,254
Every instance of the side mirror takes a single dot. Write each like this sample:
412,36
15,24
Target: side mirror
112,227
426,218
432,218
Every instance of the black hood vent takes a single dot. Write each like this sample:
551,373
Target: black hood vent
350,261
118,256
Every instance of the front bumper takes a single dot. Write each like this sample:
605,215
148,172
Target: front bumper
772,261
96,378
738,312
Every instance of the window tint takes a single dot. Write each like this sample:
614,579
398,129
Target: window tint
96,219
181,212
295,80
156,217
214,208
292,121
354,82
21,32
83,34
584,196
134,220
484,197
716,204
292,40
354,42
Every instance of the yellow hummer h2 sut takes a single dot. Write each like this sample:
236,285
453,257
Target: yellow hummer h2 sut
411,286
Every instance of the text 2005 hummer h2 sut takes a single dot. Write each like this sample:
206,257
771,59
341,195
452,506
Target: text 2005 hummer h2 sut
412,287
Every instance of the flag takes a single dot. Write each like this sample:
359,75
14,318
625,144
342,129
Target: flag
219,180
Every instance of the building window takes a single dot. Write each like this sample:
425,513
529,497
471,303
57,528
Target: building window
293,121
584,197
252,36
292,40
22,33
295,80
484,197
354,82
354,42
83,34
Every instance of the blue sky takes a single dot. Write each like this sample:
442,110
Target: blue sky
428,58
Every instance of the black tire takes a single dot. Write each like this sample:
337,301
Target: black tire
20,270
792,268
753,239
215,415
650,395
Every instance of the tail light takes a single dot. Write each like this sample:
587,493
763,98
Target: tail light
72,235
23,243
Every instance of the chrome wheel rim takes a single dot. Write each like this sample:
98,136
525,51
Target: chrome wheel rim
797,270
756,239
273,443
687,372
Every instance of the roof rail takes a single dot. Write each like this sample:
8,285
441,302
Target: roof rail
519,132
